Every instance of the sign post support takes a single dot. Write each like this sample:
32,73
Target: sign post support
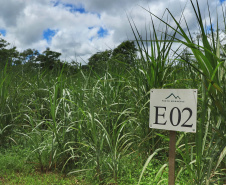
173,110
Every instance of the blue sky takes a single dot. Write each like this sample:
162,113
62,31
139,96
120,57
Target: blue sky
208,28
74,8
102,32
80,28
71,7
3,32
48,34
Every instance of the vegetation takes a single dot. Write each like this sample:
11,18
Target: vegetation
89,124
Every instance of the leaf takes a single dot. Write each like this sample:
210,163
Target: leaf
147,162
160,171
222,155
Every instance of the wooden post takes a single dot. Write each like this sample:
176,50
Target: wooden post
172,151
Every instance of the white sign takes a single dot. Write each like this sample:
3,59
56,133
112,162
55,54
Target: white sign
173,109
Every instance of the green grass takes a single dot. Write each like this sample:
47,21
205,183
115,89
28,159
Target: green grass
37,178
92,126
19,167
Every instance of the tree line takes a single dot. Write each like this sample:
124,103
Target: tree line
50,60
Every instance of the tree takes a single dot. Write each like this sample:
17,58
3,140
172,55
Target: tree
98,61
48,59
125,52
29,56
7,54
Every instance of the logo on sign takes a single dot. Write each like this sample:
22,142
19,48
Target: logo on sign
176,97
172,98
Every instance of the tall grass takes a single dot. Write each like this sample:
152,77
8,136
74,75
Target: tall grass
210,137
95,124
4,126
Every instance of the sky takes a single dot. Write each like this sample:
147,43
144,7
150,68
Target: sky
80,28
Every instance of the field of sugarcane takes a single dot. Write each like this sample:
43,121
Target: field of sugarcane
94,126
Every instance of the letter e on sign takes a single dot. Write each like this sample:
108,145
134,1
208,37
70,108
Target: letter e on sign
173,109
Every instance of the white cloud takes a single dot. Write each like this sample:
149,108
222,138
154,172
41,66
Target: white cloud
10,10
77,35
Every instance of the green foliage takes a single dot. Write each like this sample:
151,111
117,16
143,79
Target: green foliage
122,57
37,178
18,168
92,121
125,53
211,122
48,59
31,59
14,159
98,61
28,57
7,55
